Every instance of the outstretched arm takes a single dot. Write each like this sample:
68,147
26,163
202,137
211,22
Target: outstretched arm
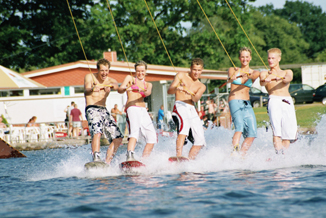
254,75
264,78
288,76
88,84
125,86
148,89
113,84
196,97
174,85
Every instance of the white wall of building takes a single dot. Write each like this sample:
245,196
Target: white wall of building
48,108
314,75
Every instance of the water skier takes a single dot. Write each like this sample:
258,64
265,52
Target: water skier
188,89
138,119
280,104
97,88
242,113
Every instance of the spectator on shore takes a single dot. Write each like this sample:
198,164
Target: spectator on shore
211,109
76,118
2,125
201,113
32,122
224,107
115,111
205,121
208,101
67,111
160,118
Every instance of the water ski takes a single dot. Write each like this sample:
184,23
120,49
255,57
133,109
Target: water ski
178,159
6,151
127,165
96,165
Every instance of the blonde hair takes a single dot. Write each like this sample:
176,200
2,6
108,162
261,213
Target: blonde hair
275,50
244,49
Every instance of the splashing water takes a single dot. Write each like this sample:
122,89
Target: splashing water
214,157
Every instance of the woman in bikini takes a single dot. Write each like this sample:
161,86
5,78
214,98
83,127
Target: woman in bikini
242,113
138,119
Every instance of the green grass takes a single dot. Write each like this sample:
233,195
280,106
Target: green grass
308,115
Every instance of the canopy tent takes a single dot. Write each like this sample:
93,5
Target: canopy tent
11,79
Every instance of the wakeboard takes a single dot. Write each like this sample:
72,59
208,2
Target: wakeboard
96,165
178,159
128,165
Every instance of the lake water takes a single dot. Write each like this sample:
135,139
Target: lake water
53,183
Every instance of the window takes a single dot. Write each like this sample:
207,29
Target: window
4,94
79,89
50,91
16,93
306,87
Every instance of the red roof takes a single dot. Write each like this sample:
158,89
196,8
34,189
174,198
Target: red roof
73,74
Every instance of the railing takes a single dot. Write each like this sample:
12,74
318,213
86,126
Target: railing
50,131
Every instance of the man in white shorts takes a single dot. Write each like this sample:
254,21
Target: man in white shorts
280,105
188,89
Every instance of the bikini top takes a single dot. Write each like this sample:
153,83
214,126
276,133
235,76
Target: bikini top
238,81
135,87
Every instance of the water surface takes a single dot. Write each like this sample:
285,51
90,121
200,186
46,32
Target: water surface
53,182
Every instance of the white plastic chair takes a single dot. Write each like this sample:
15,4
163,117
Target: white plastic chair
17,134
32,134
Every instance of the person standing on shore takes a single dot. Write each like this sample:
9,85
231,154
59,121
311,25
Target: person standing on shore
115,111
67,120
137,116
97,88
160,118
76,118
242,114
280,104
188,89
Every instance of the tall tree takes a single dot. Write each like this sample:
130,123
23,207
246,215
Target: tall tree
311,21
38,32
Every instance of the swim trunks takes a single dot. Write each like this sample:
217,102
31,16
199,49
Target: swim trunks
186,118
282,117
243,117
100,121
139,122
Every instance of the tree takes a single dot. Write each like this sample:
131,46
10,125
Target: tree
311,21
38,32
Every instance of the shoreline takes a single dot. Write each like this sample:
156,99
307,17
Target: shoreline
59,143
74,142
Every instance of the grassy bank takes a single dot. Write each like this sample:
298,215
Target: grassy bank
308,115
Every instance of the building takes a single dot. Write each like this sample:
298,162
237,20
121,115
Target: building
64,83
314,74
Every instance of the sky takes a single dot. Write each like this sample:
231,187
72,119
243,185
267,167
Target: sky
280,3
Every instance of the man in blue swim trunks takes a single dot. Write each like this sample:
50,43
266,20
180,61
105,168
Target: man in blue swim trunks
242,113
